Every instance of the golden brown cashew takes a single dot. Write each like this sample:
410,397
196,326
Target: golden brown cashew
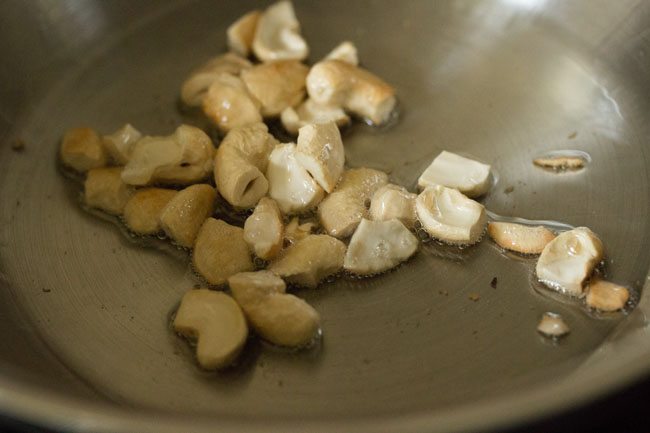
142,212
276,85
104,189
81,149
263,230
229,104
184,214
320,152
310,112
241,33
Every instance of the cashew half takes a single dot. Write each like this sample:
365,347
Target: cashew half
276,85
278,317
393,202
220,251
468,176
310,112
81,149
277,36
446,214
216,322
241,33
119,144
185,213
104,189
264,230
310,260
338,83
520,238
346,51
240,163
196,86
183,158
229,104
143,210
320,152
569,259
606,296
341,212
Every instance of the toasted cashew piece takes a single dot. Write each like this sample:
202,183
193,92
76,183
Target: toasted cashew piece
377,246
220,251
468,176
241,33
264,230
310,112
338,83
104,189
196,86
552,325
606,296
560,163
229,104
320,152
449,216
119,144
341,212
277,36
143,210
278,317
216,322
81,149
185,213
290,185
276,85
294,231
240,163
310,260
520,238
184,157
569,259
393,202
346,51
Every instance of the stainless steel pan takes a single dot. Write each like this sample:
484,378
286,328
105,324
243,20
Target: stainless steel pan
84,340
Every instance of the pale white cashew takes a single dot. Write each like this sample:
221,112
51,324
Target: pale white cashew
338,83
196,86
294,231
310,112
393,202
220,251
552,325
185,213
119,144
264,230
569,259
240,163
276,85
468,176
606,296
346,51
341,212
278,317
81,149
320,152
277,36
217,324
229,104
143,210
377,246
184,157
449,216
310,260
241,33
520,238
290,185
104,190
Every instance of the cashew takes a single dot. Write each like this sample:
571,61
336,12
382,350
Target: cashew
569,259
393,201
278,317
377,246
449,216
104,189
341,212
470,177
184,214
229,104
196,87
240,163
263,230
241,33
143,210
552,325
606,296
277,36
290,185
220,251
560,163
81,149
520,238
294,231
119,144
346,52
276,85
338,83
320,152
310,260
310,112
216,322
184,157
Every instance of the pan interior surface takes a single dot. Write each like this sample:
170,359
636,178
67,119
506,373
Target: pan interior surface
87,310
